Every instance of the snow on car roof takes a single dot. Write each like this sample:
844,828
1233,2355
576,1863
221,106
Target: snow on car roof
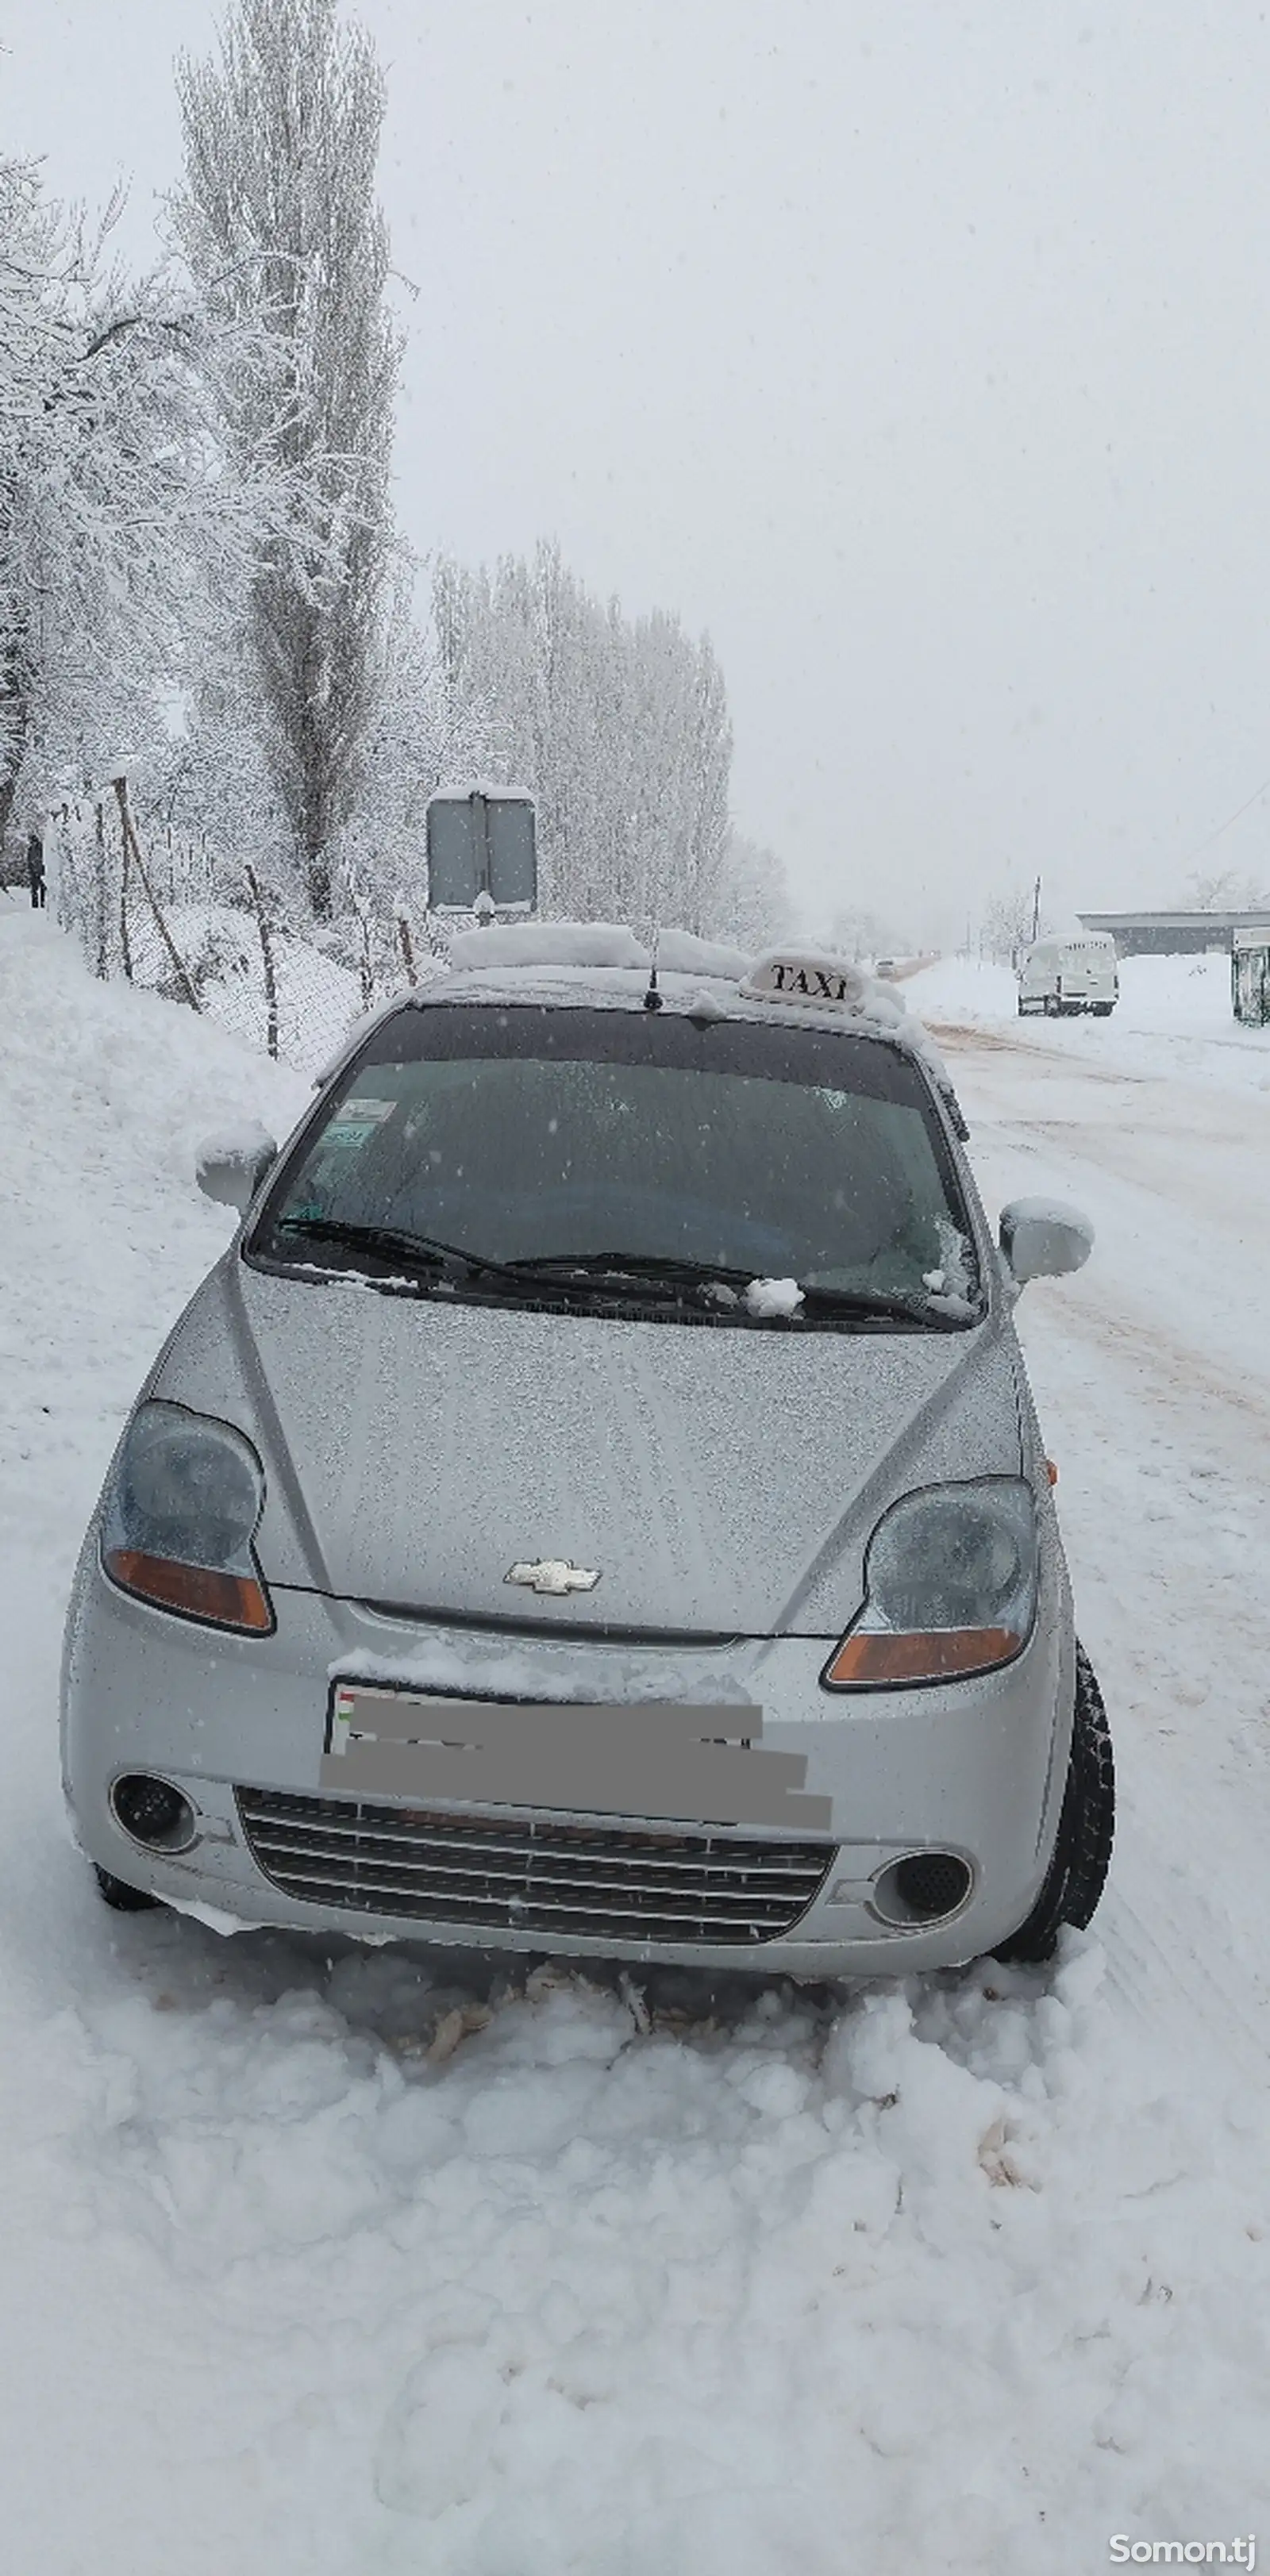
603,966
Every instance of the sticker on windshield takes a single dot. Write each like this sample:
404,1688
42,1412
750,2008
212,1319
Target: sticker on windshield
357,1120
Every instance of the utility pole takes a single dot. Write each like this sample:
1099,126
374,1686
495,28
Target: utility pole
1036,912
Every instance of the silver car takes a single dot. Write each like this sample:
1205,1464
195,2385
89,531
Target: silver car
596,1505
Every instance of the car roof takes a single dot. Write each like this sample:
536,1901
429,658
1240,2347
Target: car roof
599,966
603,967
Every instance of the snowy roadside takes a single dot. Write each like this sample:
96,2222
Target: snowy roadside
1173,1020
350,2262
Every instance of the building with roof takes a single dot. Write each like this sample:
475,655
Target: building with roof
1174,934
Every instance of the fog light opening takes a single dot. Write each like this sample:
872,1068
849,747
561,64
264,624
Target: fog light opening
924,1887
151,1812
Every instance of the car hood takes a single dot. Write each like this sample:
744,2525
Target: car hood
721,1480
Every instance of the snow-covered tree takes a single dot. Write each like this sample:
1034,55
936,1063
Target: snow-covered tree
753,908
278,219
123,533
421,735
1008,922
618,727
858,931
1231,890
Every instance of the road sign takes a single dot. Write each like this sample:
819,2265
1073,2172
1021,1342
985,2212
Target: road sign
481,844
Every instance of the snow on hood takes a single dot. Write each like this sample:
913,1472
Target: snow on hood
724,1481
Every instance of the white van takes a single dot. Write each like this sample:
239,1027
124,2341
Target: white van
1060,977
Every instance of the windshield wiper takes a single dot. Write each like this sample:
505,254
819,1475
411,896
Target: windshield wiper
669,1270
877,1306
393,1243
675,1271
562,1272
551,1273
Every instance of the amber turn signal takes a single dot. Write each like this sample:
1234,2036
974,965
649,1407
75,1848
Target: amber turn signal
937,1654
222,1600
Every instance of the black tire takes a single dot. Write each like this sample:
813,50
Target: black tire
1077,1873
117,1893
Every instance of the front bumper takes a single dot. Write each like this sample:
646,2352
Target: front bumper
973,1768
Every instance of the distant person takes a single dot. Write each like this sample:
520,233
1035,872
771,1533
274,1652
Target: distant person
35,872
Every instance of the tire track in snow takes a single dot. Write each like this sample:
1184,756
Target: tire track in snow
1162,1424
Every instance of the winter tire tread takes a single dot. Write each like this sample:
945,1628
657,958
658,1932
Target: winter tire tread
1077,1873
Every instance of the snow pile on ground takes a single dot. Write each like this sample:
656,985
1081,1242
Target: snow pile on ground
1157,994
107,1094
1173,1016
1190,994
327,2263
316,997
414,2275
962,991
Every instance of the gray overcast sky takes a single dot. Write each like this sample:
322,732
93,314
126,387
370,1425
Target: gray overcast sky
916,350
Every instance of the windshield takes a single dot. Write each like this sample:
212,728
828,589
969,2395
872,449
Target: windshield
630,1145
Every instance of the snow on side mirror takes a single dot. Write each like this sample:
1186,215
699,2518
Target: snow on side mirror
1043,1239
230,1166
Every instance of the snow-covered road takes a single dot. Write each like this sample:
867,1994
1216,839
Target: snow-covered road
313,2263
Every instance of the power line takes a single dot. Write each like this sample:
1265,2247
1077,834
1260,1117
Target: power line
1224,827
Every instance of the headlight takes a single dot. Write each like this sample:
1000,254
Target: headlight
184,1503
950,1588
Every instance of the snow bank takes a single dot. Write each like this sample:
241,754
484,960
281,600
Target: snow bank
962,990
108,1095
424,2271
1190,994
317,998
1173,1017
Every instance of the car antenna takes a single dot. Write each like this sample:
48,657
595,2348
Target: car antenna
652,998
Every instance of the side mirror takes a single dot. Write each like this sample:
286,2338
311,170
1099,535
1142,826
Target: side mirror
231,1166
1042,1239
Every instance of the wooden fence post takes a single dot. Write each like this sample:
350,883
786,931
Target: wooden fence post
125,945
266,952
132,846
99,836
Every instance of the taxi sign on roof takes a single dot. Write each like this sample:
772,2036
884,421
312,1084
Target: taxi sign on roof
823,983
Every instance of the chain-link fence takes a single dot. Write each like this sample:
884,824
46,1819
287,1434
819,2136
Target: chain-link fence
224,941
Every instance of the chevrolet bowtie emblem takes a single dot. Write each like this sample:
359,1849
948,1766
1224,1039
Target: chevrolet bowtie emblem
554,1574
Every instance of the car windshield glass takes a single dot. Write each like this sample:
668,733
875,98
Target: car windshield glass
525,1135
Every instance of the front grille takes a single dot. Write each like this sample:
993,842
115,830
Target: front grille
522,1875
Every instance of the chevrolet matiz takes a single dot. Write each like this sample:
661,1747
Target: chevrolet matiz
595,1506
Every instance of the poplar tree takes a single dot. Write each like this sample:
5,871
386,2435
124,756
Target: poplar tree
278,218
